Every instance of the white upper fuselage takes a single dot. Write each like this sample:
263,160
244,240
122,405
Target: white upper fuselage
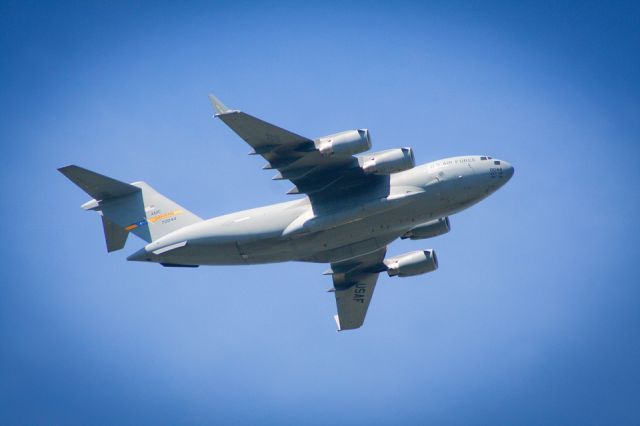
298,230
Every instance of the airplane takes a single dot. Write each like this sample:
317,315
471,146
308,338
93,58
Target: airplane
355,204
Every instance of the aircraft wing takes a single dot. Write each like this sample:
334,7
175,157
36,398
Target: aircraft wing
354,281
296,157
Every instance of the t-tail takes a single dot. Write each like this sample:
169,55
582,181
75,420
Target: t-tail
125,208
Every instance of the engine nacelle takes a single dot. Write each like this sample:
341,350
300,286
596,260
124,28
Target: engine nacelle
429,229
413,263
345,143
388,162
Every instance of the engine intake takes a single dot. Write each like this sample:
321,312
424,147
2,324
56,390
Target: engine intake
412,263
345,143
388,161
429,229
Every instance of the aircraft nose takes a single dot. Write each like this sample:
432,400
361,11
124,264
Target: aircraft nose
507,169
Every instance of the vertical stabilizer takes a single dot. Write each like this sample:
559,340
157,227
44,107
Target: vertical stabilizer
135,207
162,215
114,235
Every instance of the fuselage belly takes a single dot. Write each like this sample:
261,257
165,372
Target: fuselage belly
293,231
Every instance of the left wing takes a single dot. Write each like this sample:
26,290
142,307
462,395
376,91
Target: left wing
354,281
296,157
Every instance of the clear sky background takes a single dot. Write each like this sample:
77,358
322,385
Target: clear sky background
532,318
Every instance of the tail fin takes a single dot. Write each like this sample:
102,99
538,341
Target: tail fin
125,208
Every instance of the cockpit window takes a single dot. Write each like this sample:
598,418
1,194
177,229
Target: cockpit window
497,162
483,158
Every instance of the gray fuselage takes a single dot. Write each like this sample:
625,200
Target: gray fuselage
301,231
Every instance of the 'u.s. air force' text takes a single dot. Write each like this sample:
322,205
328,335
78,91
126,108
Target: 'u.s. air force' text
359,292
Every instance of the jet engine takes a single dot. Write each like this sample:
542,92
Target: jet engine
388,161
412,263
429,229
345,143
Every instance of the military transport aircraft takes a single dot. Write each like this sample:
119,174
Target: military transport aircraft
355,204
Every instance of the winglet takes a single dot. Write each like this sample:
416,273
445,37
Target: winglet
337,318
218,105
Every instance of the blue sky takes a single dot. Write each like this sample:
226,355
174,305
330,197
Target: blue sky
532,318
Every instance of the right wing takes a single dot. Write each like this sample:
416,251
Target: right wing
297,158
354,281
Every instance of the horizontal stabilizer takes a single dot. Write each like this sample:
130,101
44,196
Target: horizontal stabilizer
125,208
98,186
